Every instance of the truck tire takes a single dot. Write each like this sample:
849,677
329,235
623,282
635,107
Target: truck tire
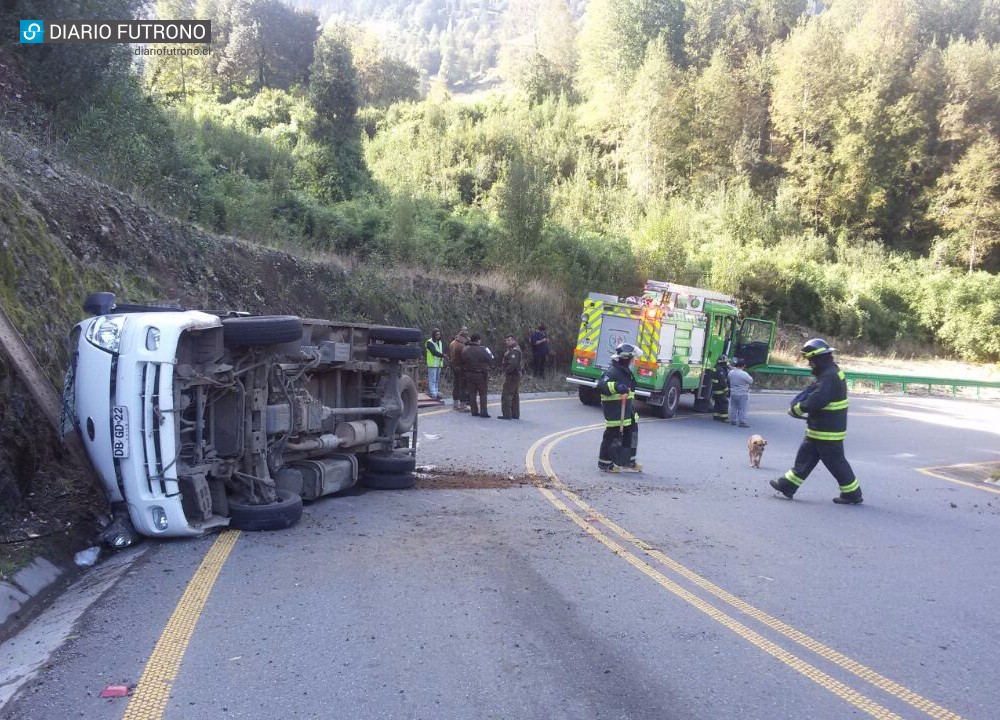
408,392
671,398
391,462
394,352
388,481
283,513
389,334
261,330
589,396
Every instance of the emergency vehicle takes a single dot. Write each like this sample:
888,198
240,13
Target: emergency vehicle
681,332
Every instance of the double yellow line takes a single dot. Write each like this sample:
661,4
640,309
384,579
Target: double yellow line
653,563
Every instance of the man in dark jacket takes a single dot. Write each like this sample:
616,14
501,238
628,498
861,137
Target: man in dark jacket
460,393
824,406
617,390
720,390
510,364
476,361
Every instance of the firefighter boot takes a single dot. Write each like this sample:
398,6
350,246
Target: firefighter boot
853,498
782,485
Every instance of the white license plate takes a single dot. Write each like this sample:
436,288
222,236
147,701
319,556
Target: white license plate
119,432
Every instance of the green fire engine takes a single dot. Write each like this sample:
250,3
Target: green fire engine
681,332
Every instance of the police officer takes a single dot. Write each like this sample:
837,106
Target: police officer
510,365
460,393
434,350
617,390
824,406
476,359
720,390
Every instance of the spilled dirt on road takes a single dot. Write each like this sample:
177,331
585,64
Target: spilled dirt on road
444,479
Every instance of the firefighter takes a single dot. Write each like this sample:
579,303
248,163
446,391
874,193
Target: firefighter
510,398
824,406
617,390
720,390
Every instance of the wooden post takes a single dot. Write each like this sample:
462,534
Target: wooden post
48,400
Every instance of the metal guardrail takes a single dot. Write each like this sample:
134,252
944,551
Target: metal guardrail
879,379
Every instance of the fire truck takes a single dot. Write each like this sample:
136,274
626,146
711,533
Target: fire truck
680,331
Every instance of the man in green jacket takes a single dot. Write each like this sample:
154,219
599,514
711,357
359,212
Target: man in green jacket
434,352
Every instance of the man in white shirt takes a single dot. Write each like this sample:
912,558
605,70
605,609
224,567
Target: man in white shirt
739,393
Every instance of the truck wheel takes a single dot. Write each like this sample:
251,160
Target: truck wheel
671,398
261,330
282,513
589,396
391,462
388,481
389,334
408,392
394,352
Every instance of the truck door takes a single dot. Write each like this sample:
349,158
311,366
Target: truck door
720,338
615,330
754,342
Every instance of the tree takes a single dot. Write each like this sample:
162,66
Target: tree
658,137
967,202
332,164
521,199
66,75
382,79
538,48
269,44
182,76
973,100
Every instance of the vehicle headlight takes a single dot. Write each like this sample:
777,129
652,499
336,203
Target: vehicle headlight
152,339
106,332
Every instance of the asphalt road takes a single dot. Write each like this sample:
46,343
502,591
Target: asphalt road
689,592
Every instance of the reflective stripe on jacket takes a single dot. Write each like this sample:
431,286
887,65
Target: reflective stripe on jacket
826,405
617,382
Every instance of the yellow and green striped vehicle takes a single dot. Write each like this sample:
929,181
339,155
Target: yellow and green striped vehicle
681,331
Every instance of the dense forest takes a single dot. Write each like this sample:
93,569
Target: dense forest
832,164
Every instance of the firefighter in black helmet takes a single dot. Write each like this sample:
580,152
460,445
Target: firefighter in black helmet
824,406
617,390
720,390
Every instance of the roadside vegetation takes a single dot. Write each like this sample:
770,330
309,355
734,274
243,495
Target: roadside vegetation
837,169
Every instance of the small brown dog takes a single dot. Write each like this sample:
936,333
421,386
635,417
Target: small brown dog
755,446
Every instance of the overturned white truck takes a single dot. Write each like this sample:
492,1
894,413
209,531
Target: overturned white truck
195,420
